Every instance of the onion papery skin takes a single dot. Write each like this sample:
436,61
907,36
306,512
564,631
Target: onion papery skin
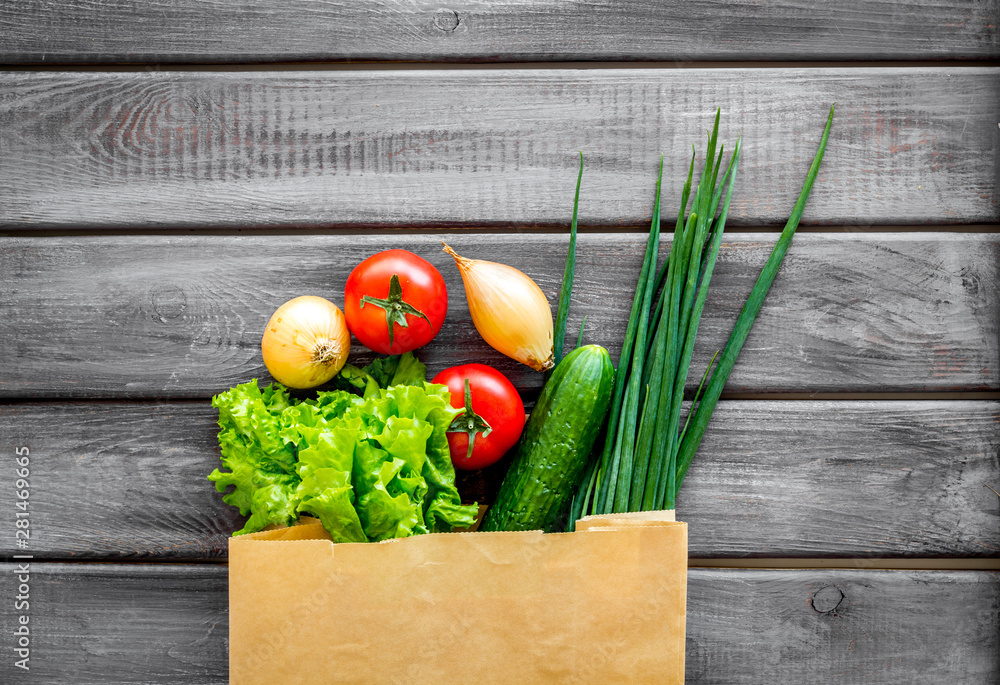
306,342
509,310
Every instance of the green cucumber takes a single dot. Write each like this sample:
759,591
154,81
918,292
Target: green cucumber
556,443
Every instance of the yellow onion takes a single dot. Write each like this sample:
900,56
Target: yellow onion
306,342
509,310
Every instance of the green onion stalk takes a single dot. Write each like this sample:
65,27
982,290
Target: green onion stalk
646,451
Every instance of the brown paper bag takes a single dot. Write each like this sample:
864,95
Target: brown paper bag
605,604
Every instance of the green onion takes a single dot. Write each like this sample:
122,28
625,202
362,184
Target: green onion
562,311
646,453
579,338
621,429
742,328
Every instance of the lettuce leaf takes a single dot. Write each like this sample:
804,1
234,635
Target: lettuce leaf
403,486
387,508
398,369
326,490
370,468
261,465
432,404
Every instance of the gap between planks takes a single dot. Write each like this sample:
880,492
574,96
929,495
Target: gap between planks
501,229
882,564
486,66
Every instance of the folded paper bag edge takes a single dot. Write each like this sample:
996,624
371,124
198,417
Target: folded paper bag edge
302,530
314,530
632,518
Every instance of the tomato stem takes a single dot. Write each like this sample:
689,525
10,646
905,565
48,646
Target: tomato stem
395,307
470,422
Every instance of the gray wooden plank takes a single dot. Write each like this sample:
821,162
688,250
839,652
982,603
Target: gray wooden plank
487,147
60,31
843,627
813,479
134,317
145,624
127,481
127,624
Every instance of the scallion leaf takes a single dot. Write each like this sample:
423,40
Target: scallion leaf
562,311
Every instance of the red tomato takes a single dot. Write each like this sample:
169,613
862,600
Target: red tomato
395,288
498,415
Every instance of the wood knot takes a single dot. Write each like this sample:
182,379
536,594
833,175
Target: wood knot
446,20
169,302
827,599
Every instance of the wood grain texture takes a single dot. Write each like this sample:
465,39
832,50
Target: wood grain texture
494,147
101,623
751,627
146,317
158,624
814,479
116,31
127,481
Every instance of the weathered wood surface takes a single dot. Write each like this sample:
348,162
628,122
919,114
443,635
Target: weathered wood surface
116,31
135,317
127,481
160,624
488,147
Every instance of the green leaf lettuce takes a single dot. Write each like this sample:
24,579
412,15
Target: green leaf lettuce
370,468
384,372
261,465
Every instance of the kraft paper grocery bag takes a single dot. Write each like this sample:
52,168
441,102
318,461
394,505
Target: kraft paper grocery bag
605,604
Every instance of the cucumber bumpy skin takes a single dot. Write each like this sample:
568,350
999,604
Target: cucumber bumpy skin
556,443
